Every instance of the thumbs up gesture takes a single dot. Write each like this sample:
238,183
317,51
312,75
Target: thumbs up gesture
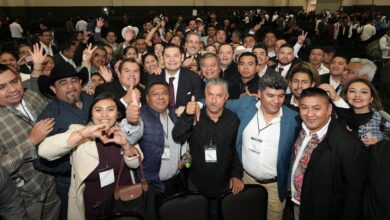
132,99
191,106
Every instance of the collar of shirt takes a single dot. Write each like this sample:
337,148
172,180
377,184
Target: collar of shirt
322,69
294,102
22,107
320,133
285,68
333,82
262,72
65,58
275,119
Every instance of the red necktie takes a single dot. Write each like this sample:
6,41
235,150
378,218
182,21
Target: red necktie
280,70
171,92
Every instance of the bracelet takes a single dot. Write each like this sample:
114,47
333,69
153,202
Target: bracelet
81,134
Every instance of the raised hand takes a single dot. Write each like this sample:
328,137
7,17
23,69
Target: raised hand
132,98
105,73
40,130
99,22
302,37
87,53
188,62
37,55
191,106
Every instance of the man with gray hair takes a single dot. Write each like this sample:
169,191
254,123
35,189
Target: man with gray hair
359,68
265,139
215,163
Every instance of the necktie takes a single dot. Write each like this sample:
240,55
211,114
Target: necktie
171,92
280,70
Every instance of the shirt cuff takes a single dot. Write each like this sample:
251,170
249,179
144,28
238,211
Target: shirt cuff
133,132
341,103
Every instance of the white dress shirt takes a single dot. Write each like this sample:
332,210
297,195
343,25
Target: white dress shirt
16,30
320,134
175,81
286,68
260,151
322,69
70,61
384,44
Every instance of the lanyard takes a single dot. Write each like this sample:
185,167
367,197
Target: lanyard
258,124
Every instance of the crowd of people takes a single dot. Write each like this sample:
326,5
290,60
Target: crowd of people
288,101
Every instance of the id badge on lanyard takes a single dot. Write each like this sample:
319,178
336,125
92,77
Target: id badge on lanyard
210,153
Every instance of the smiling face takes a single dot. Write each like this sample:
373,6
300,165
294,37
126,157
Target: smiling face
11,89
172,58
158,98
338,66
105,112
67,89
271,100
150,64
359,96
129,74
299,82
315,112
9,60
192,44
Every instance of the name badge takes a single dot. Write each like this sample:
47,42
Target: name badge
166,154
210,153
106,177
255,145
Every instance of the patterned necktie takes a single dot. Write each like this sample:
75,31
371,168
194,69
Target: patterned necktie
171,92
303,162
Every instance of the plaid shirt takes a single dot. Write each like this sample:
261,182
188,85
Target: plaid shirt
17,150
375,126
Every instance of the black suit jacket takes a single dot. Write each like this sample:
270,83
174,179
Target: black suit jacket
190,84
334,181
59,59
116,89
293,63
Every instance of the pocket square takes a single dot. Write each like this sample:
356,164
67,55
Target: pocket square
189,93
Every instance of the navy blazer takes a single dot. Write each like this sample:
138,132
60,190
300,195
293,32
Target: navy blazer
190,84
246,109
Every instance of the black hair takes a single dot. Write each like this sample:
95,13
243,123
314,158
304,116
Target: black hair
107,95
315,92
146,55
172,46
156,82
274,81
248,54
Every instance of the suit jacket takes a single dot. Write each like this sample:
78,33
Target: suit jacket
84,159
116,89
16,150
190,84
333,184
293,63
59,59
377,205
11,202
246,109
269,71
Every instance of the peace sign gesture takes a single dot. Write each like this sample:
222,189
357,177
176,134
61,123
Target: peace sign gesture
302,37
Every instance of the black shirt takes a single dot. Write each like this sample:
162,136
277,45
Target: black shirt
211,178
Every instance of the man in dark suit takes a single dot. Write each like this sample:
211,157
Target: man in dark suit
262,58
329,166
45,39
182,82
338,66
127,83
66,54
285,60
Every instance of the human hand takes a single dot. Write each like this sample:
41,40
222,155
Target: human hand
40,130
99,22
105,73
302,37
330,90
236,185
